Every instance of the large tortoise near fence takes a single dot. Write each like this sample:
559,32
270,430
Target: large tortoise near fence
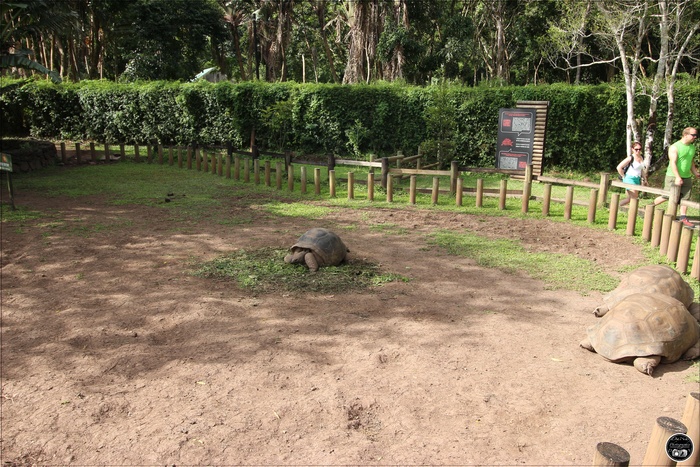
316,248
655,278
646,329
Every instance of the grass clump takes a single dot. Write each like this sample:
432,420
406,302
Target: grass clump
264,270
557,270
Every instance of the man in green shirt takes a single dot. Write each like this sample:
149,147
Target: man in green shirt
681,168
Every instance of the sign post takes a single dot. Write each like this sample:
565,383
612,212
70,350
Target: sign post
6,166
516,135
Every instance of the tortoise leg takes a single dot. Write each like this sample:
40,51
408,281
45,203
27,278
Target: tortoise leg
601,310
311,262
647,364
586,344
693,352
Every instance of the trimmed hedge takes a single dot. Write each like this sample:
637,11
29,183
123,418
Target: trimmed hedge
585,130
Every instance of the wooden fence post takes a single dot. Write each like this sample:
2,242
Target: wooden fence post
657,227
64,155
220,164
228,166
684,251
695,268
603,190
303,180
171,156
205,160
412,190
385,171
674,239
665,233
592,205
648,222
149,153
278,175
568,203
317,181
79,155
527,189
547,199
691,419
237,167
389,188
436,190
458,194
122,151
160,154
331,183
370,186
93,153
198,158
290,178
502,194
614,205
256,171
246,170
610,455
351,185
268,170
664,428
189,157
632,217
454,175
479,192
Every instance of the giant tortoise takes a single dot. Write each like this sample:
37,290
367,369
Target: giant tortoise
316,248
646,329
655,278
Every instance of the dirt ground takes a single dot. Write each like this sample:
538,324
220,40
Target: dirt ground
113,353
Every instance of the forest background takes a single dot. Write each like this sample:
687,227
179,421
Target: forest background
356,76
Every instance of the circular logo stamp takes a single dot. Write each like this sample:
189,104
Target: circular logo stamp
679,447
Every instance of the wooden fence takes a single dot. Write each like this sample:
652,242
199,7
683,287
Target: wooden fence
660,227
610,454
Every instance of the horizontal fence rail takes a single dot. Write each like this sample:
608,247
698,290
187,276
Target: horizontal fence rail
660,227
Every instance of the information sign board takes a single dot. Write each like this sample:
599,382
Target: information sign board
5,162
516,135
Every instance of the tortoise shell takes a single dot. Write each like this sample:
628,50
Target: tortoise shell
644,325
328,248
651,279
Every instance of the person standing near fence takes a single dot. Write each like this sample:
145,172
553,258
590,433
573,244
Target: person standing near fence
630,170
681,166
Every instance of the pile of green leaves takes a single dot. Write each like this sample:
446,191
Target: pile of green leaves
264,270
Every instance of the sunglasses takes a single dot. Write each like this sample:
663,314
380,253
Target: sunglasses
694,135
636,149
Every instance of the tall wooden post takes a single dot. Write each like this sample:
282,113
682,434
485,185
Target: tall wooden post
331,183
436,190
64,156
684,251
479,192
664,428
278,175
648,222
303,179
527,189
547,199
656,227
385,171
603,189
674,239
317,181
370,186
502,194
459,193
614,205
290,178
412,190
665,233
632,217
389,188
592,205
691,419
351,185
568,202
454,174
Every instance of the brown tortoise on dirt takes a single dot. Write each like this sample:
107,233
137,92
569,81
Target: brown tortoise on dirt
647,329
316,248
648,279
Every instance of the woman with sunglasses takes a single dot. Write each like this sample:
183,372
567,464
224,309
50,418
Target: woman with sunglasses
630,170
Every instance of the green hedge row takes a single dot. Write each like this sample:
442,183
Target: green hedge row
585,130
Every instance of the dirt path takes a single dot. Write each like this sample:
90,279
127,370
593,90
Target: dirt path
113,353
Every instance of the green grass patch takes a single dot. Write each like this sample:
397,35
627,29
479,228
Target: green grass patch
20,214
264,270
308,211
557,270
